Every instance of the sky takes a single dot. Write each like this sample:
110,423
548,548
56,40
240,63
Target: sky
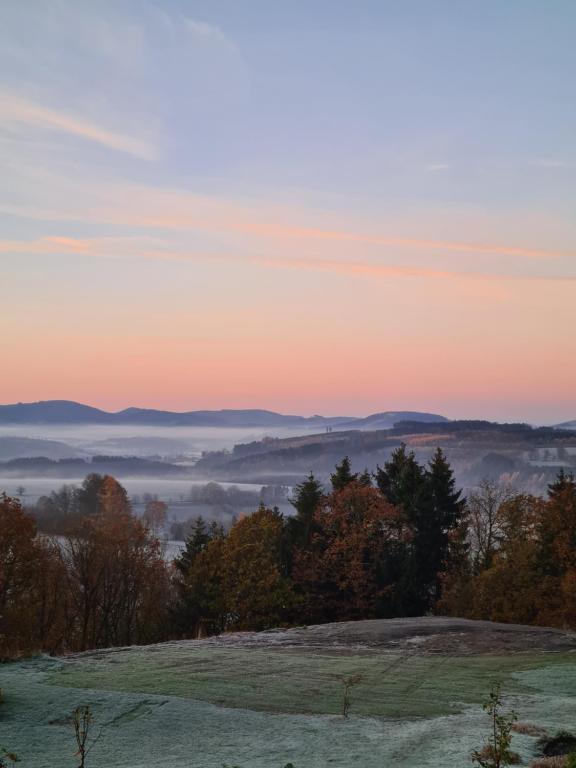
319,206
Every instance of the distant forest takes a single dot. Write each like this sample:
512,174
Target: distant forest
402,541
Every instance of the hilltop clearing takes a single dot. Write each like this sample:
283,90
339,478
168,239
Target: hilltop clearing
261,700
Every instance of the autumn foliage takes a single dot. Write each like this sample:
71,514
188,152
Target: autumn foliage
103,583
400,542
527,573
349,554
349,569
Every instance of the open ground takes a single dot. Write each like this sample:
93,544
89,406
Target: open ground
261,700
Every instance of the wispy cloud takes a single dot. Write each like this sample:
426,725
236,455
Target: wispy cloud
310,233
134,247
173,210
46,245
19,111
436,167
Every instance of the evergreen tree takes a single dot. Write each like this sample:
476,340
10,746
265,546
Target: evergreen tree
445,507
564,482
306,500
432,508
342,475
365,478
197,541
194,590
402,481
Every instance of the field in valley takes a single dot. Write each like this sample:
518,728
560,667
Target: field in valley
264,700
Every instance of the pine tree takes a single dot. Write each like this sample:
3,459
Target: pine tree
432,508
445,507
564,482
365,478
342,475
197,541
306,500
402,480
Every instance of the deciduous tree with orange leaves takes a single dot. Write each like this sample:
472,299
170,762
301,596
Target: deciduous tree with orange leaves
30,577
116,574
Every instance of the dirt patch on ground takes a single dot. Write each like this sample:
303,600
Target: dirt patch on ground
426,635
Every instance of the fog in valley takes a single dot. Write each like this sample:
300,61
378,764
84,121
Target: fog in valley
169,462
171,442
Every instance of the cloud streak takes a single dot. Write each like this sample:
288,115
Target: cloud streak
178,211
133,248
19,111
310,233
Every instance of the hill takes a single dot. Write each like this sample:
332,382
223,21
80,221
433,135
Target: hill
12,447
69,412
389,419
52,412
567,425
78,468
527,456
262,700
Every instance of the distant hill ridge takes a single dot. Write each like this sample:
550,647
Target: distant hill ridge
69,412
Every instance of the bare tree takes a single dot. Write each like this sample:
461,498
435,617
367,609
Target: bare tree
484,511
348,683
155,515
82,721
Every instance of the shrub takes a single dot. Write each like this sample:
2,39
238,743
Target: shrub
563,743
528,729
7,757
496,752
550,762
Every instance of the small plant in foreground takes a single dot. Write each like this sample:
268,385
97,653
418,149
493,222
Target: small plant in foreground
82,721
496,752
7,757
561,744
348,683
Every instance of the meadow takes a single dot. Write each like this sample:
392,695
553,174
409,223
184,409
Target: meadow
205,704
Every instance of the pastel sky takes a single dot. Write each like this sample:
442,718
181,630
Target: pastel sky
314,206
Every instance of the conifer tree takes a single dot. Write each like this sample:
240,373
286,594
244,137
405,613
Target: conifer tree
402,480
564,482
197,541
445,507
365,478
306,500
432,508
342,475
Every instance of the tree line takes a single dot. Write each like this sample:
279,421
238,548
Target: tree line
401,541
514,557
104,582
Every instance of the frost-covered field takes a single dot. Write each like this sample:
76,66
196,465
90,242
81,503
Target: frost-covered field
261,701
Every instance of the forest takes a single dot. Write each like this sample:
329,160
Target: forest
402,541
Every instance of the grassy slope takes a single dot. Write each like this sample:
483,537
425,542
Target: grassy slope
157,707
392,684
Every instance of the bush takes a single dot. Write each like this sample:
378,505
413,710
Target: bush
550,762
562,744
496,752
528,729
